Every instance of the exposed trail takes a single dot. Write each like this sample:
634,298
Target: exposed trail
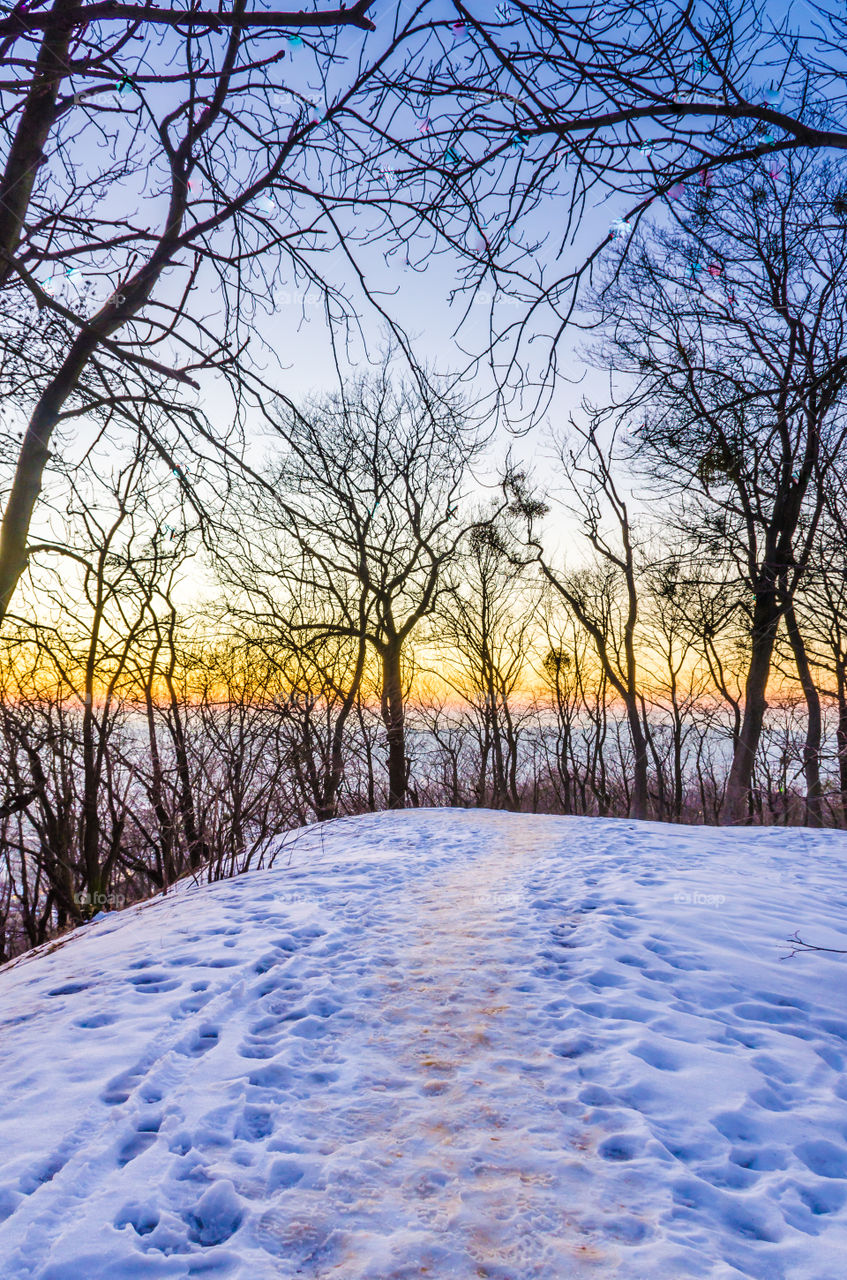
446,1025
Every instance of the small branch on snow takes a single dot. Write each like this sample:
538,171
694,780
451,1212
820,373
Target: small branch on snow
801,947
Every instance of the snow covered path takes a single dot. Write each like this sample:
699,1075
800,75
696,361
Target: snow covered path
443,1044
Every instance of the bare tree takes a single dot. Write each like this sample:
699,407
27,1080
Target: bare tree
676,677
252,158
732,328
565,670
319,677
821,612
603,596
364,517
164,171
598,110
70,711
487,621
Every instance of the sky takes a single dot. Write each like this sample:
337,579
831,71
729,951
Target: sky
291,339
290,324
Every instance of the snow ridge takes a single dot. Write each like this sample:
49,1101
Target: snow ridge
444,1044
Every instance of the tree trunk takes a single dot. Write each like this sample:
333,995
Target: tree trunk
32,461
34,453
40,112
841,737
766,615
90,815
639,804
393,717
339,742
198,851
814,723
499,786
156,791
563,748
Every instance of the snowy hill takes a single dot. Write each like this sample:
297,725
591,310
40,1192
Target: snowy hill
442,1044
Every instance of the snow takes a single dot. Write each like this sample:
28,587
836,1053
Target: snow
446,1044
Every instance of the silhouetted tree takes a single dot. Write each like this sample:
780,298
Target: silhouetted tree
731,326
360,511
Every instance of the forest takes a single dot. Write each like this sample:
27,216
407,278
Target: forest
592,560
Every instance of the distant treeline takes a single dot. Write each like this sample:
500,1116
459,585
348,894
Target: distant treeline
394,615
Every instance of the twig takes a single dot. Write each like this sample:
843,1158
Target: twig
800,947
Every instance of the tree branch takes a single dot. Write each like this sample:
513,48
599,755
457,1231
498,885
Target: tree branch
112,11
800,947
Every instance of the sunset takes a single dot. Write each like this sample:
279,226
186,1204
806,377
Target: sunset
423,640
